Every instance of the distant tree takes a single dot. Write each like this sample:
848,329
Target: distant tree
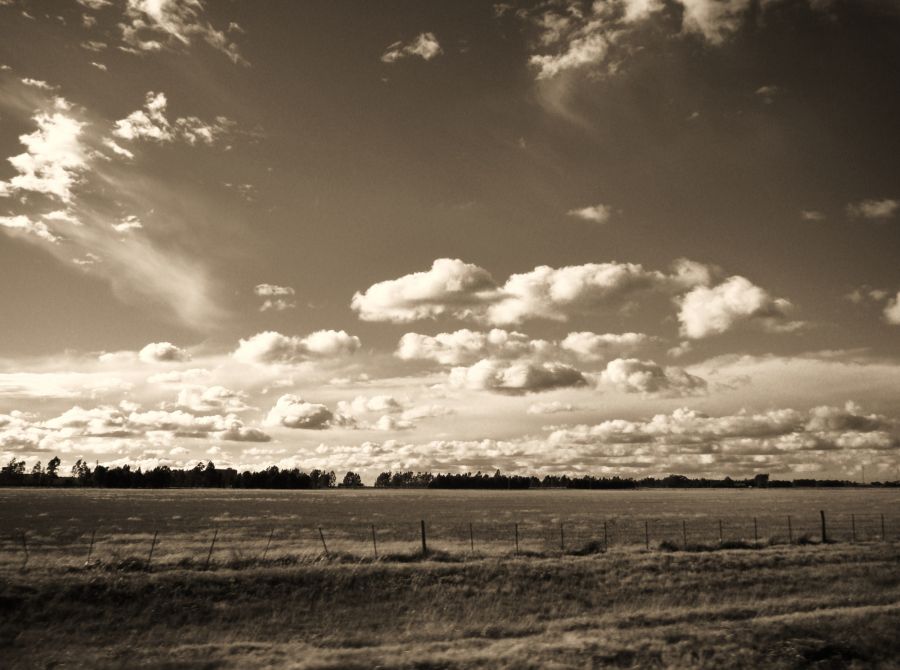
82,472
52,467
383,480
351,480
13,472
37,469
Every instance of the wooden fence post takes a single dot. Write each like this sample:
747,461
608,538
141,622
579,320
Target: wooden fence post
91,546
790,531
516,530
322,537
824,530
424,543
152,547
268,544
374,542
471,538
647,534
211,545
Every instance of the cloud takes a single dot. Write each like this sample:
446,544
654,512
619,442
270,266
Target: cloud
37,83
892,310
152,25
580,51
874,210
812,215
462,290
151,123
424,45
707,311
128,224
595,213
590,346
449,287
715,20
515,377
54,156
271,347
465,346
291,411
552,407
275,297
22,224
631,375
163,352
217,399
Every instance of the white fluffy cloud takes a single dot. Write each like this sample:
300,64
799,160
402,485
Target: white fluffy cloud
715,20
515,377
163,352
462,290
23,224
590,346
271,347
707,311
632,375
424,45
291,411
594,213
466,346
151,123
212,399
449,287
54,155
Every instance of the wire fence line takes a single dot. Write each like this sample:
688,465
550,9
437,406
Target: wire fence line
235,545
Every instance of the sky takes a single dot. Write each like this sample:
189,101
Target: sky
627,237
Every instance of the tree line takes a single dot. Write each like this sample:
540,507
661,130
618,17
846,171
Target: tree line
207,475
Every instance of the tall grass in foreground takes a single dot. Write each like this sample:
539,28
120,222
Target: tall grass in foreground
779,606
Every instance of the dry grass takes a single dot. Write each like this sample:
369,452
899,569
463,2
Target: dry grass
781,607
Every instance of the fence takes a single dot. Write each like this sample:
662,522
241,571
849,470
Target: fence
238,545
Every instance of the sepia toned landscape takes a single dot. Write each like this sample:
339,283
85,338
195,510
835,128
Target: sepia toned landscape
449,334
251,603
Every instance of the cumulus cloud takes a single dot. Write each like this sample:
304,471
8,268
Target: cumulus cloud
449,287
128,224
163,352
466,346
593,346
218,399
707,311
632,375
874,210
291,411
424,45
515,376
271,347
152,25
152,123
580,50
594,213
54,156
462,290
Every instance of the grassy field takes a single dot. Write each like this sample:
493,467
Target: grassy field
58,524
826,606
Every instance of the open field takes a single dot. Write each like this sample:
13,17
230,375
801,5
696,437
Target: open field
58,524
830,606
